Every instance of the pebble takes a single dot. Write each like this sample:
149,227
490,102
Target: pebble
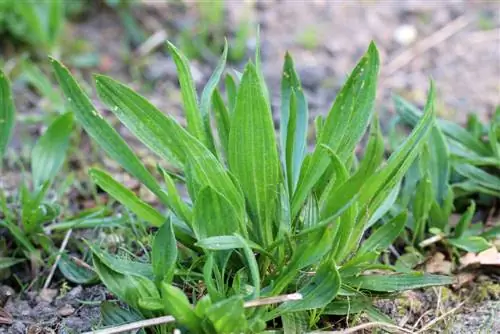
66,310
405,34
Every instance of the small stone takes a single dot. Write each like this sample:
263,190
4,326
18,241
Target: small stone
17,327
405,34
66,310
48,295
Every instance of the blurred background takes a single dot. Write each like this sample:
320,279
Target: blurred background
457,43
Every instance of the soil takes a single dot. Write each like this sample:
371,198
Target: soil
325,38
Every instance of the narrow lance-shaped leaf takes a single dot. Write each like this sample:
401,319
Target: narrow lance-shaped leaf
385,235
7,111
410,114
439,164
253,155
206,97
156,130
214,215
126,197
293,137
322,289
164,133
105,135
345,124
393,283
189,96
222,120
465,220
49,152
164,253
231,90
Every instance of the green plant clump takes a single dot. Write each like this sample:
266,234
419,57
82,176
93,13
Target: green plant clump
260,222
458,171
37,23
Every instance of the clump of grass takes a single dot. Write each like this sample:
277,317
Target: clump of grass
264,217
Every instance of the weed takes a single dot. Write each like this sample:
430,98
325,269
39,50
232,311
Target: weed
259,222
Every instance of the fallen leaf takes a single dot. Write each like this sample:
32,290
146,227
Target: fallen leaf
5,317
489,257
438,265
463,278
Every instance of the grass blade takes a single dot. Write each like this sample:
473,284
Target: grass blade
7,111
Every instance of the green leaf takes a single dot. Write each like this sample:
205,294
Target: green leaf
253,155
7,113
228,316
479,176
295,323
465,220
175,202
75,273
293,124
6,262
421,207
19,236
194,118
103,133
114,315
159,132
122,266
151,304
394,283
164,253
126,197
347,307
318,293
471,244
385,235
411,115
128,288
55,20
214,215
231,90
222,119
49,153
177,304
345,124
439,164
206,96
374,153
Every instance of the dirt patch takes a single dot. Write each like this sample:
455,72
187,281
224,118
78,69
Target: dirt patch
74,311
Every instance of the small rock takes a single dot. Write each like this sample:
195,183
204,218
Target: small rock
66,310
5,293
17,327
47,295
75,292
405,34
38,329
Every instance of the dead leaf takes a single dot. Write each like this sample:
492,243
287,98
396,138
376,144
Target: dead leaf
5,317
489,257
463,278
438,265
